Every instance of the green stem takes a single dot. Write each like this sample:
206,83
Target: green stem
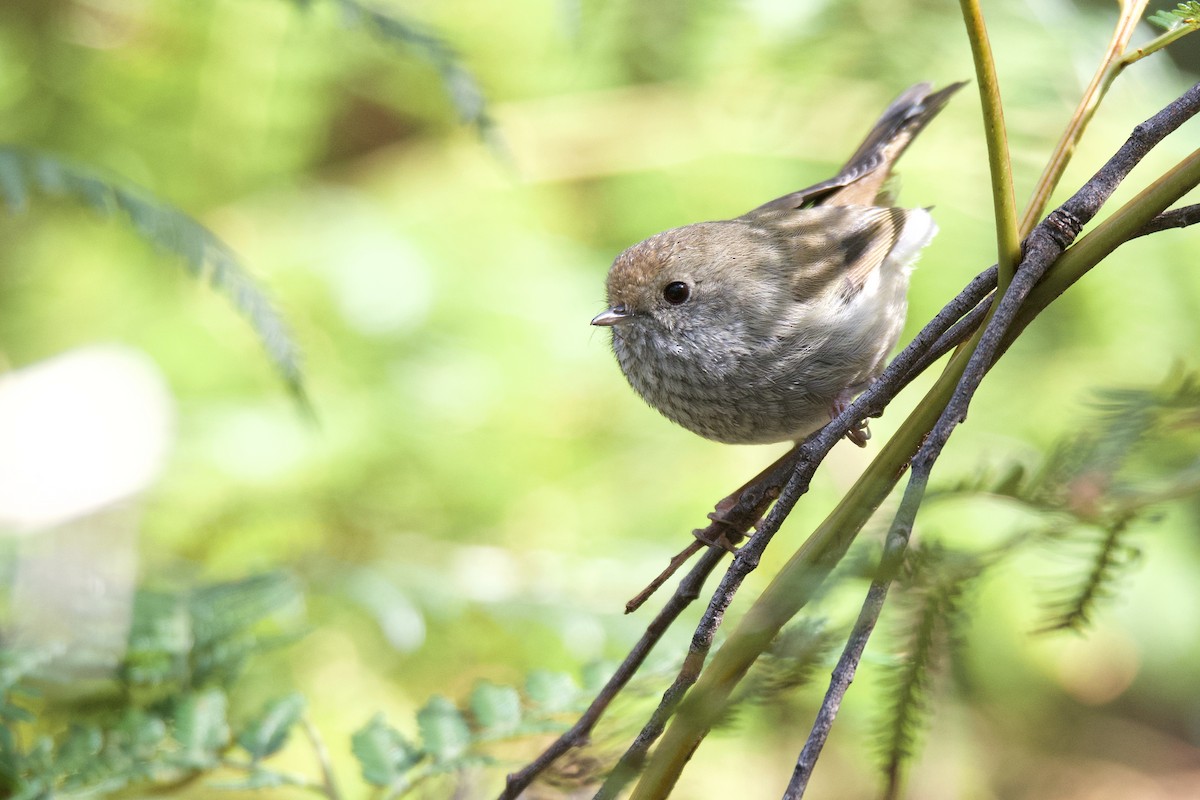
1158,43
1008,239
1110,66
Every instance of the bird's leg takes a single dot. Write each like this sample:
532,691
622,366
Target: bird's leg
742,510
859,434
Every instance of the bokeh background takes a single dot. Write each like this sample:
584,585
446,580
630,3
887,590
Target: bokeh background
482,491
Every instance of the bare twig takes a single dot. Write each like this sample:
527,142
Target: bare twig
843,674
677,561
1177,218
688,590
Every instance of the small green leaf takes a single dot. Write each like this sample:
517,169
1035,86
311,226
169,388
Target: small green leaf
201,728
78,755
139,734
159,640
444,732
553,691
1184,14
497,708
382,752
268,734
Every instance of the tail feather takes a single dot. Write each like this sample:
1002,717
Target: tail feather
861,181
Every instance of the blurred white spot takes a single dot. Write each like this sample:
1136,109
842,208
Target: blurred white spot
486,574
79,432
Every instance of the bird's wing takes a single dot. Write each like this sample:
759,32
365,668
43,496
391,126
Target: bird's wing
831,248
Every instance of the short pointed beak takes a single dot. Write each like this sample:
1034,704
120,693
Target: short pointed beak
612,316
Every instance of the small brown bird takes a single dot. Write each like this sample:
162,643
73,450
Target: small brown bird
762,328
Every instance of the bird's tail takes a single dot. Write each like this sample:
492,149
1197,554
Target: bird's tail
861,181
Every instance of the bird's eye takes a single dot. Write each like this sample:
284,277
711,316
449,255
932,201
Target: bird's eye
676,292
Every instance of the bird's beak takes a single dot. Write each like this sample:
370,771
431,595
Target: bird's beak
612,316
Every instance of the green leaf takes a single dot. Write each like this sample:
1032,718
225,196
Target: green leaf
201,728
15,664
497,708
78,757
553,691
383,752
159,640
139,734
1184,14
268,734
444,732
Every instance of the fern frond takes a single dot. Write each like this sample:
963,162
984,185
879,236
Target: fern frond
1111,558
26,174
931,613
1007,481
460,85
791,662
1110,476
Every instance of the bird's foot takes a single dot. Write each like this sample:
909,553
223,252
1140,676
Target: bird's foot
860,434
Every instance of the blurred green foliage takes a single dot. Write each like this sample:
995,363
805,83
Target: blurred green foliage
482,492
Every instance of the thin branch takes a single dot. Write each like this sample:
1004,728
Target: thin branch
898,537
843,673
847,666
1165,39
322,753
688,590
1178,218
1042,251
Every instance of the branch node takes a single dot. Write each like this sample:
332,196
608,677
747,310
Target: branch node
1063,226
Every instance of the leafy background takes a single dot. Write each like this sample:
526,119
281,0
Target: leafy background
482,491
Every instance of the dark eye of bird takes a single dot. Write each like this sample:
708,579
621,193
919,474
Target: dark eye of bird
676,292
